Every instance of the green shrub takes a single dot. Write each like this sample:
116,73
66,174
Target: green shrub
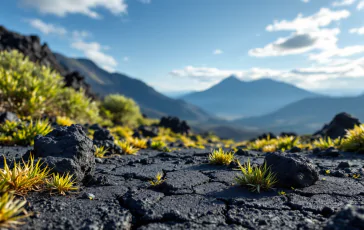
256,178
219,157
22,133
32,90
353,140
121,110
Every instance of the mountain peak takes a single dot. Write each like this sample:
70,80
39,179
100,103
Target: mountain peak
232,78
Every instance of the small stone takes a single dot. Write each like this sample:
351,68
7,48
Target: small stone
292,170
343,164
88,196
295,149
99,160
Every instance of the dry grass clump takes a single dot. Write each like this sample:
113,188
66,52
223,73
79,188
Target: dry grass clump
158,179
61,184
23,177
11,211
126,147
101,151
138,143
256,178
274,144
325,143
159,145
64,121
353,140
219,157
23,133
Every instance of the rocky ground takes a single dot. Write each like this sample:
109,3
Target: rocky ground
197,195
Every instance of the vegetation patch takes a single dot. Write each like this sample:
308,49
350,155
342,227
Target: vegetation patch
256,178
219,157
23,133
12,211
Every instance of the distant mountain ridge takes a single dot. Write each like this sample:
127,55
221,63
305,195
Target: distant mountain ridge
152,103
235,98
306,116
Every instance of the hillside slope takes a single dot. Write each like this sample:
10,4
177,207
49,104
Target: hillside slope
233,98
307,115
152,103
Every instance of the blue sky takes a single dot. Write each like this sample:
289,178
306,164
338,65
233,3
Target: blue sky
181,45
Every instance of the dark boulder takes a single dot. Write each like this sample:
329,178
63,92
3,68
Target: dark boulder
148,131
67,149
175,124
350,217
288,134
103,135
338,126
292,170
77,81
31,47
95,127
8,116
265,136
103,138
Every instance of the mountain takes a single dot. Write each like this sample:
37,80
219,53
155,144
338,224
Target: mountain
152,103
233,98
306,116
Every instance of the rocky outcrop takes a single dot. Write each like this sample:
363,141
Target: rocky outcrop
292,170
147,131
350,217
31,47
67,150
175,124
39,53
77,81
103,138
338,126
8,116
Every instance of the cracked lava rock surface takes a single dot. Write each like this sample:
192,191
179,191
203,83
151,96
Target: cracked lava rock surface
197,195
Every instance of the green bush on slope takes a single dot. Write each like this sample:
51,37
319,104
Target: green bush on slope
121,110
32,90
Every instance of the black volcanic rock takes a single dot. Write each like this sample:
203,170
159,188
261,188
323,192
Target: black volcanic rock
292,170
8,116
175,124
77,81
67,150
39,53
31,47
350,217
338,126
103,138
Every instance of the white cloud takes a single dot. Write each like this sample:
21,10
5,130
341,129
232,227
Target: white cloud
80,34
327,55
145,1
343,3
305,1
359,31
217,52
360,5
299,43
330,75
93,51
47,28
311,23
86,7
309,34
